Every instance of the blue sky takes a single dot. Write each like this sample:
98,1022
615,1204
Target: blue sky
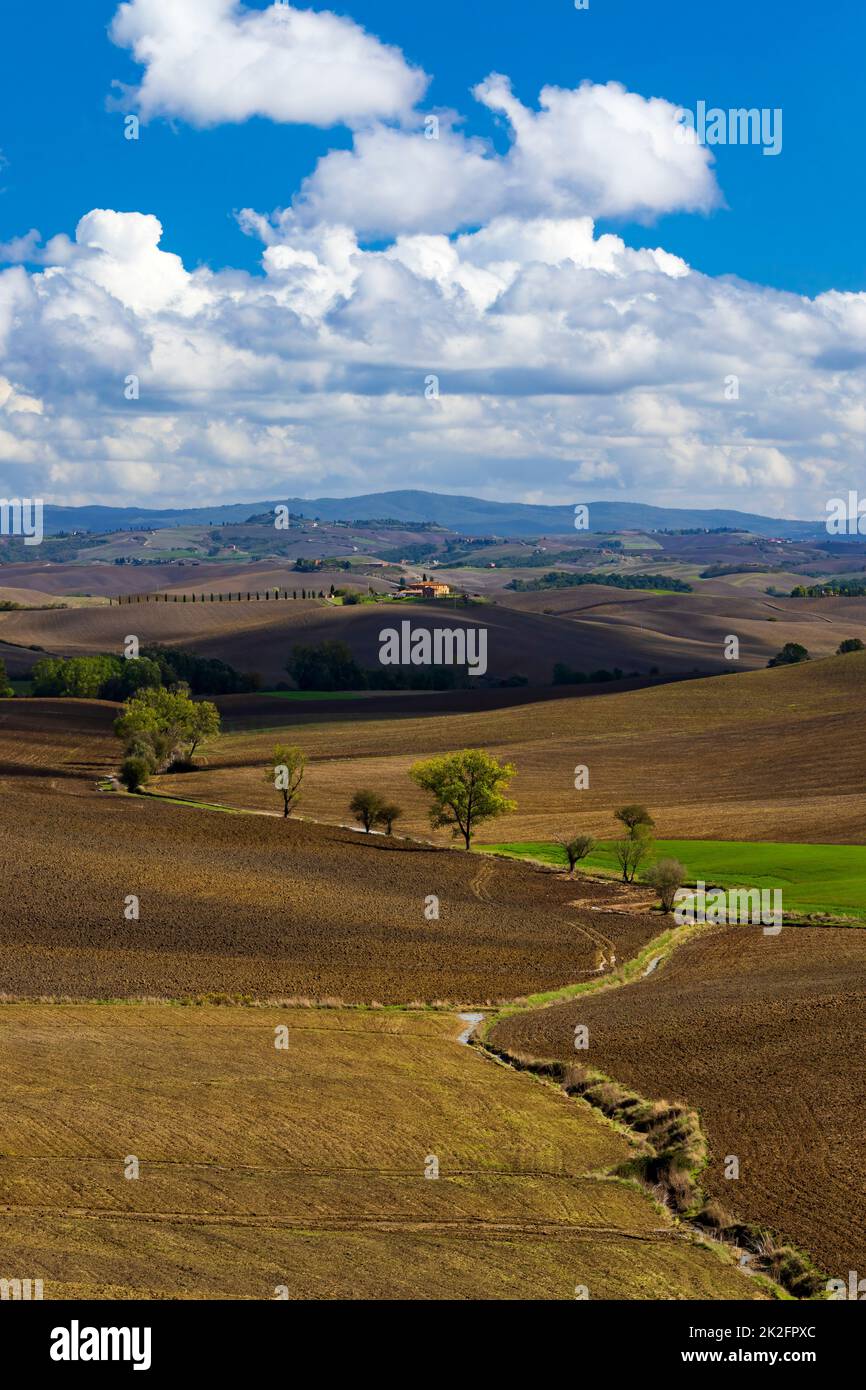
790,222
557,299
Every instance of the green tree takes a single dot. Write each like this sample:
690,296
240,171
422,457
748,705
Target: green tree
366,806
851,644
203,726
47,676
633,816
467,788
137,673
285,772
167,719
6,690
577,847
81,678
389,812
327,666
790,655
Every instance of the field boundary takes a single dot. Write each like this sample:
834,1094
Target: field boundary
673,1152
654,954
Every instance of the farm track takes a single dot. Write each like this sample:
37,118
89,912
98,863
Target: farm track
480,881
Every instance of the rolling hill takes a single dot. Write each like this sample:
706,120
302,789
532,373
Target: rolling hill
765,755
468,515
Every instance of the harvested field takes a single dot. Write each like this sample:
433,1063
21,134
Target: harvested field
764,1035
259,906
107,580
765,755
304,1168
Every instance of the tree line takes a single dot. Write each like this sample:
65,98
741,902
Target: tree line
108,677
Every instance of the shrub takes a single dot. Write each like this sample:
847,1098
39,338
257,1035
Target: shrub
666,876
134,773
790,655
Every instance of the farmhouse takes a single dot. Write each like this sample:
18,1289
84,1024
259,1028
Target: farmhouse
426,589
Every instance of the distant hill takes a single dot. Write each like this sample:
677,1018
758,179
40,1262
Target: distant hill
465,515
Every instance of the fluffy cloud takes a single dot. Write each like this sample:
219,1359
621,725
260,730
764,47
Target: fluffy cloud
214,61
599,150
602,149
568,363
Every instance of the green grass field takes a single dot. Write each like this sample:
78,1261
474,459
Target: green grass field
813,878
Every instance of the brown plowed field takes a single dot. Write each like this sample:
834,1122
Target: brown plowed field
259,906
51,738
108,580
251,636
765,1036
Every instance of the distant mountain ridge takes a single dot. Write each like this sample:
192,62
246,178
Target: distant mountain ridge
465,515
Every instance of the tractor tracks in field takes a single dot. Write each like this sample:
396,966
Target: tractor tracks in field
394,1224
605,948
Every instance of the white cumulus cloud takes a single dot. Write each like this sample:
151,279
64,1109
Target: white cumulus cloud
215,61
566,361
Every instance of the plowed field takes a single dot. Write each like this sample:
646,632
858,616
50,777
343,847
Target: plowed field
255,905
765,1036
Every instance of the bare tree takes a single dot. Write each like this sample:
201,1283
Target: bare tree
576,847
630,854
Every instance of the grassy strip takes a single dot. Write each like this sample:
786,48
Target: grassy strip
673,1153
661,946
199,805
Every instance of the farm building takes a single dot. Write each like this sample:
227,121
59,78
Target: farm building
427,589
